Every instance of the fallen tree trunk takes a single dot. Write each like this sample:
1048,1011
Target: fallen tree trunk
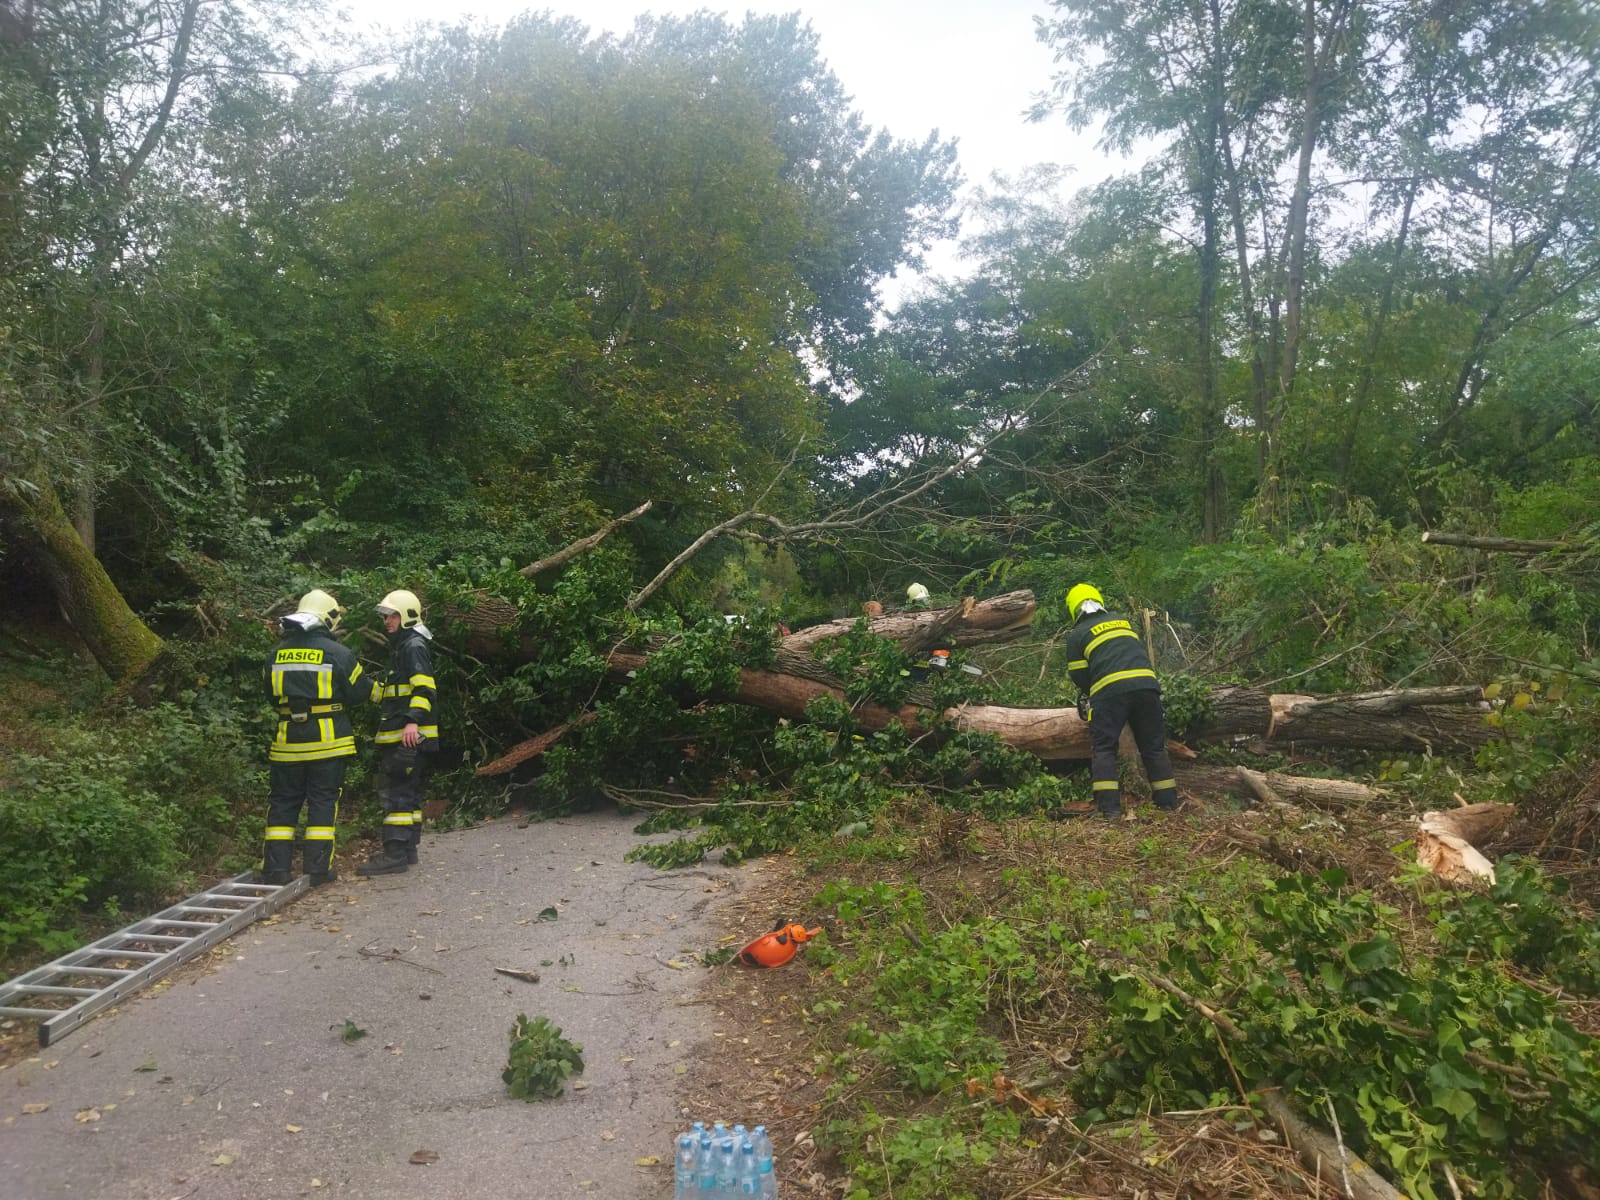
1436,718
1438,537
1425,718
1001,618
1051,734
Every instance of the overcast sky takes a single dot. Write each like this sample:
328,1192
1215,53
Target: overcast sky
968,68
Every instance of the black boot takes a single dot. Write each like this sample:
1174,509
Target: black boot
391,860
319,878
271,878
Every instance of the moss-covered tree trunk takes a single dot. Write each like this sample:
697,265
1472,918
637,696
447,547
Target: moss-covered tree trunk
119,641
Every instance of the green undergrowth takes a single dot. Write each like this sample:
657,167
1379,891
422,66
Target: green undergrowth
112,808
826,780
1441,1033
830,776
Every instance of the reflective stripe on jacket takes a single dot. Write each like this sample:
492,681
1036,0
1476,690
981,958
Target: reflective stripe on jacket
407,690
312,680
1105,656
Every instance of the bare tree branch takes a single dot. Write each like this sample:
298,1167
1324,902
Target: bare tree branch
584,543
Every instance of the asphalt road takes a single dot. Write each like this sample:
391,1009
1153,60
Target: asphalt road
234,1082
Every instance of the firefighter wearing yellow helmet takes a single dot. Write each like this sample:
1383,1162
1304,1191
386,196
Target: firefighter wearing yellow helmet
313,681
408,732
1116,686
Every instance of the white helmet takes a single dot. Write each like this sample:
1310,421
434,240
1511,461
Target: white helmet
916,594
322,606
403,603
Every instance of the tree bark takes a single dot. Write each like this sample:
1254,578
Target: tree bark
1437,537
1410,717
1334,1164
121,643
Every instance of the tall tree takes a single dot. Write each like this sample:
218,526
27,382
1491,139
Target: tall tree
105,91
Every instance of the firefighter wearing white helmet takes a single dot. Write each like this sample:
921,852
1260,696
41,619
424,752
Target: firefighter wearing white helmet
313,681
1116,686
934,658
408,732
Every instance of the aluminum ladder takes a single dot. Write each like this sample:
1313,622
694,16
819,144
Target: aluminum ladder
63,994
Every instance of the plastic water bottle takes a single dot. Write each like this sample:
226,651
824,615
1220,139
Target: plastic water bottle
686,1170
764,1165
718,1132
748,1176
705,1165
727,1169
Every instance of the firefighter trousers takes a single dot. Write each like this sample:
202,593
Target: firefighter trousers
314,786
400,779
1142,710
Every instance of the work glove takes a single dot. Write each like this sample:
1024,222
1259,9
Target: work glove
1083,707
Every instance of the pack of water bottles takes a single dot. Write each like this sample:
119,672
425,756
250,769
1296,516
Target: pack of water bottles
723,1162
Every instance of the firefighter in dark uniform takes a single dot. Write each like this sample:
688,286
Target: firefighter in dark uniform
1116,687
313,680
936,657
408,732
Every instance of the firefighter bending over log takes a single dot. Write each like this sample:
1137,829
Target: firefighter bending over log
1116,686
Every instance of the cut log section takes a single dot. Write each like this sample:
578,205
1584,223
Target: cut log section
1447,842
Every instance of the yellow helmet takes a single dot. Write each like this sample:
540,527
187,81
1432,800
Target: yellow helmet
916,594
1078,594
322,606
405,604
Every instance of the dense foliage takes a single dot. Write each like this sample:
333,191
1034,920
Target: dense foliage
422,313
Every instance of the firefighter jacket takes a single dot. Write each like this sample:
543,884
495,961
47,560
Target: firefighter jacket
313,680
1106,657
407,691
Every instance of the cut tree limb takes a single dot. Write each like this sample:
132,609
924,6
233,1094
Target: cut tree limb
1304,790
1257,783
1331,1161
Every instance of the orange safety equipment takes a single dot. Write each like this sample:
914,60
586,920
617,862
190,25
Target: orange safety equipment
778,947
